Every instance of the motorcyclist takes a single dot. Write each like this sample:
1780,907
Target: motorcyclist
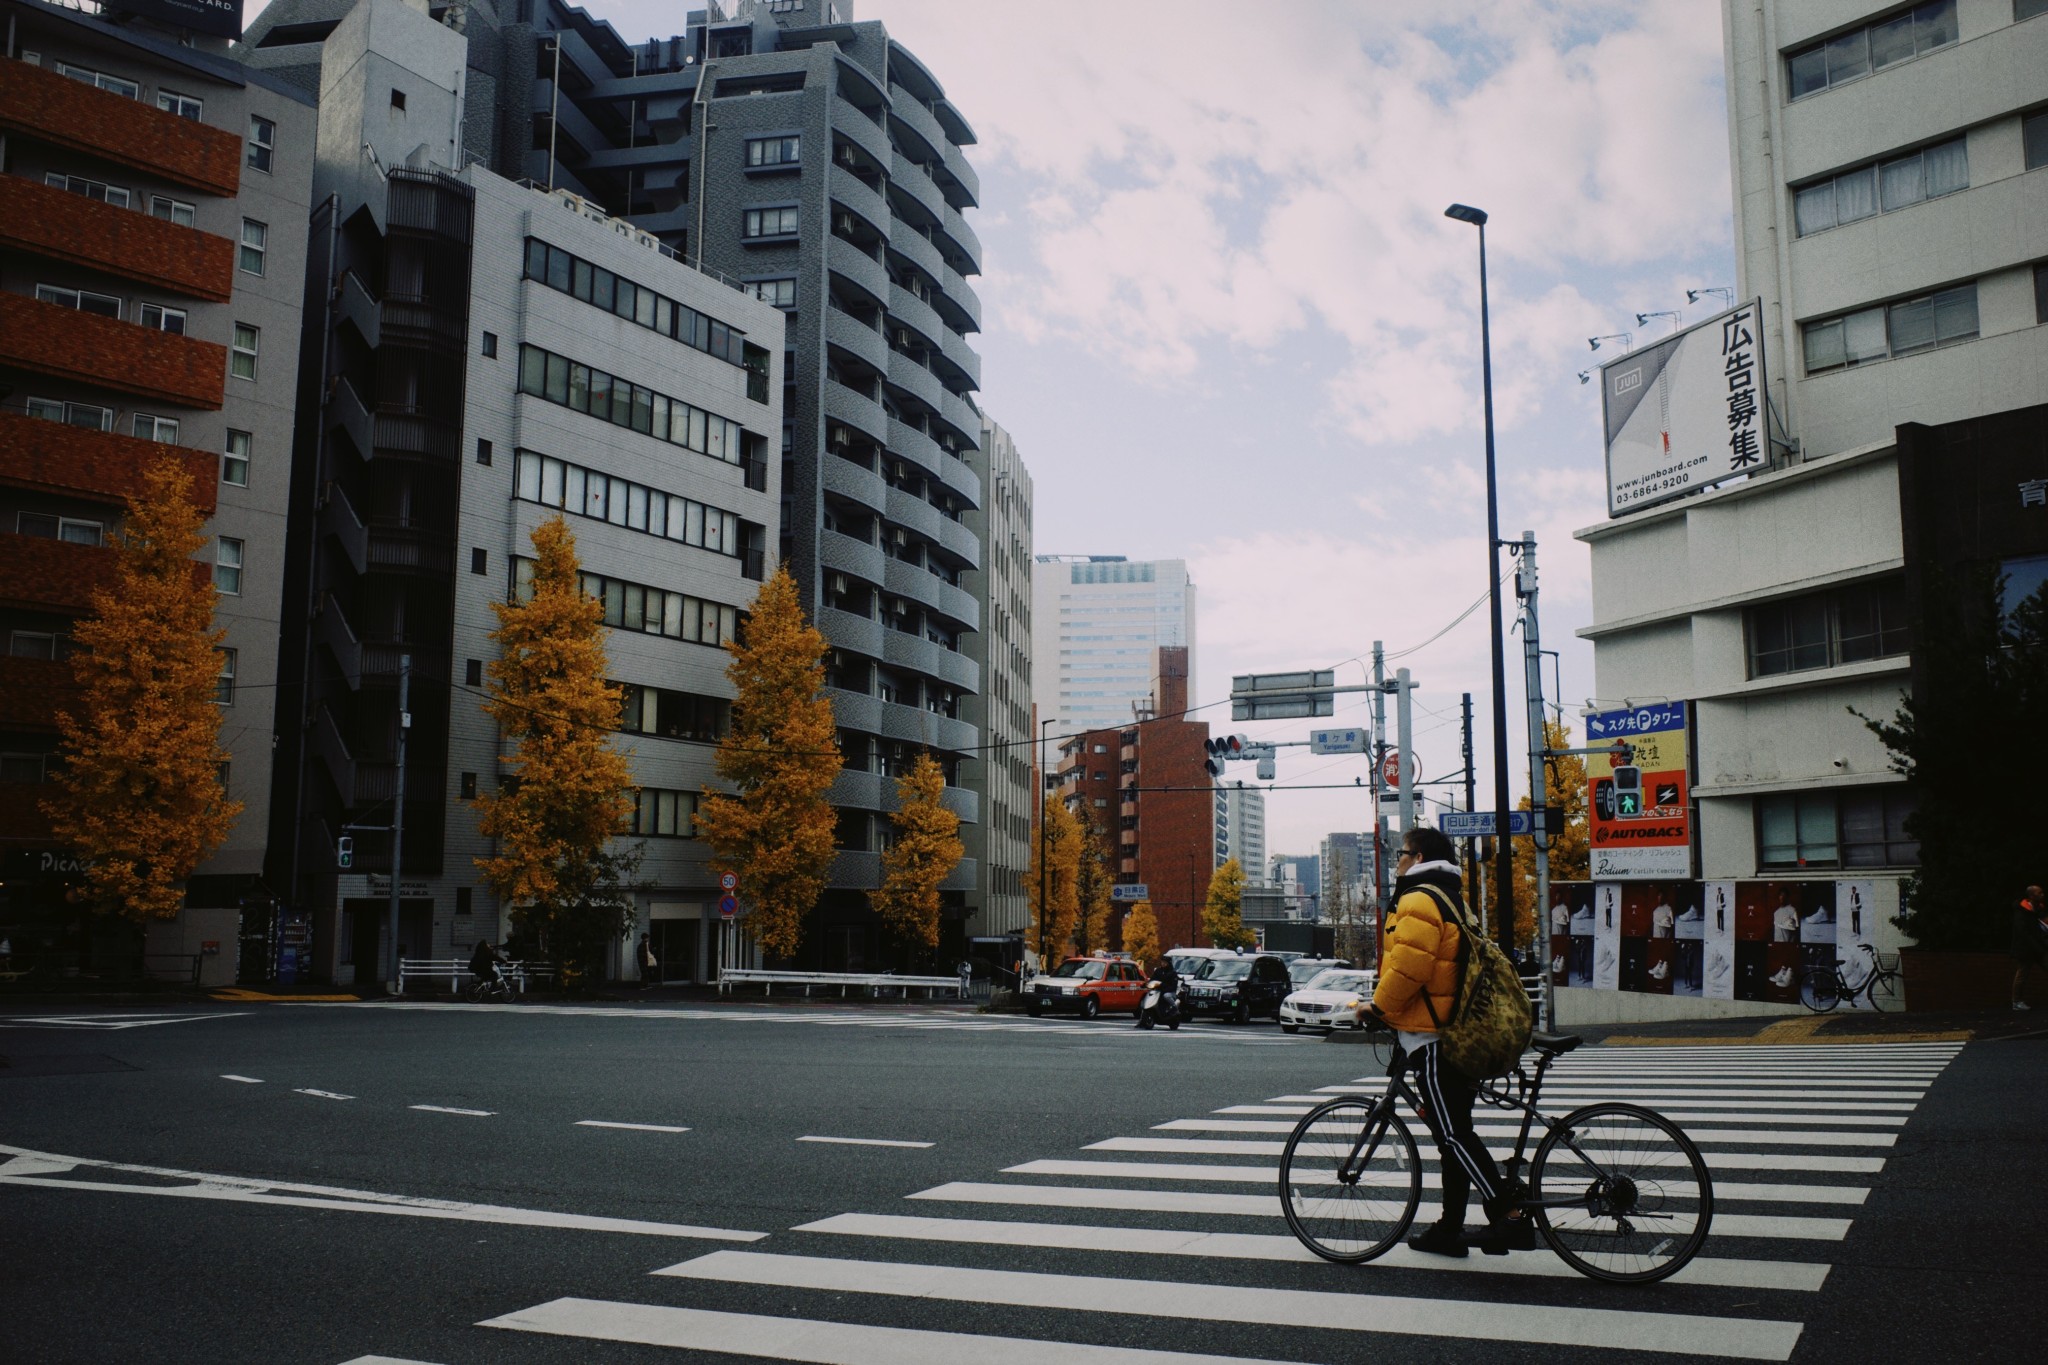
1166,981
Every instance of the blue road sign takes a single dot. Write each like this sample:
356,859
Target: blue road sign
1131,891
1478,824
728,906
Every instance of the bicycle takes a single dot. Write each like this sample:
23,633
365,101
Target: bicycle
497,988
1632,1210
1825,987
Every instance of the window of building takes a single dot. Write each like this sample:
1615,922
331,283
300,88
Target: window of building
473,673
465,899
773,151
89,415
158,318
84,300
1892,329
468,787
262,142
557,269
150,427
673,715
1882,187
1858,827
234,459
558,379
227,565
490,345
775,222
22,767
480,560
224,689
184,106
72,530
662,814
2034,136
1853,55
781,293
255,236
2028,9
32,644
242,354
483,451
91,189
172,210
1846,625
651,611
397,101
112,84
2041,293
590,493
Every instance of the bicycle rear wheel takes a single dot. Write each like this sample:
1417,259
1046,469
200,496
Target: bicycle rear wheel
1821,990
1884,992
1350,1180
1641,1201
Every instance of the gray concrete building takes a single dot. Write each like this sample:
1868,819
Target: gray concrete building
1001,711
490,356
1241,829
1098,622
1344,868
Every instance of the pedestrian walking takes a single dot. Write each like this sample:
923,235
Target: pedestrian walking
650,965
2029,940
966,976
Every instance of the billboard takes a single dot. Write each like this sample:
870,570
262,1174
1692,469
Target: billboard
218,18
1653,843
1687,412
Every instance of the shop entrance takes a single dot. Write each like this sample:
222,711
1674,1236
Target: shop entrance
676,933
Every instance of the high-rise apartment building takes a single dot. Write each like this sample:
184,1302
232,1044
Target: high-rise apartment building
1001,843
1891,213
1241,829
153,200
1097,625
1345,869
489,356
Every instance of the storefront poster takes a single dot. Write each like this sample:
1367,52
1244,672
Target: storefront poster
1721,940
1606,937
1717,940
1655,845
1855,932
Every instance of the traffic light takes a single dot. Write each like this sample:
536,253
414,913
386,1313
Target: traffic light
1222,749
345,853
1628,792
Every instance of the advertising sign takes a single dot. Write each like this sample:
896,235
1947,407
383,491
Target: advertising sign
1687,412
219,18
1652,842
1717,933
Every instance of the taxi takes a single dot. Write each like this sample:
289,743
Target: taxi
1090,985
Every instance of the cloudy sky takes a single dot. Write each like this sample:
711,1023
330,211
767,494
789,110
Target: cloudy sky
1228,322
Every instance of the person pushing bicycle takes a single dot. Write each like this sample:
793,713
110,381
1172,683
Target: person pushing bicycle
1418,988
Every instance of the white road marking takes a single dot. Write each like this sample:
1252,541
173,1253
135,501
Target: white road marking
444,1109
1562,1098
1725,1161
866,1142
819,1343
321,1094
108,1021
636,1127
1679,1333
383,1360
1595,1133
245,1080
1800,1276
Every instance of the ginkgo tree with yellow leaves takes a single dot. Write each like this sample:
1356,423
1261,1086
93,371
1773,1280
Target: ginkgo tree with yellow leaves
1141,933
1091,887
774,829
925,850
1055,881
567,795
1564,789
142,803
1223,912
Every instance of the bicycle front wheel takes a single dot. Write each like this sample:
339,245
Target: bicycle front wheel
1821,991
1350,1180
1621,1194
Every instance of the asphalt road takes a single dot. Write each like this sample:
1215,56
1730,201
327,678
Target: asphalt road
351,1208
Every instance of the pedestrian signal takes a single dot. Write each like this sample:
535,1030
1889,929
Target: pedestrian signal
344,853
1628,792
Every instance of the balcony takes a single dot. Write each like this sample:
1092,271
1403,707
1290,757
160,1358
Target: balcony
844,554
37,103
46,338
862,870
844,258
914,379
927,588
1129,809
855,484
850,334
864,414
99,466
31,690
860,130
61,226
53,575
849,191
1128,867
1129,839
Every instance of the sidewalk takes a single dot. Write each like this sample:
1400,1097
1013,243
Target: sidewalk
1841,1027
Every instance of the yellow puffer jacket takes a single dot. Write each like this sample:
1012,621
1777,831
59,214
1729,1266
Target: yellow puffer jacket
1418,952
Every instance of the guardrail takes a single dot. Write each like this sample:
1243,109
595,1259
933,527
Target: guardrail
768,981
456,972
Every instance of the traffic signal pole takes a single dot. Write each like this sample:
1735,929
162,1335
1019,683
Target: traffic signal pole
398,814
1539,786
1379,764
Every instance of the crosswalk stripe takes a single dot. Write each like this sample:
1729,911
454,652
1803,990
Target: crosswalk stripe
818,1343
1726,1190
1729,1161
1798,1276
1698,1135
1678,1116
1560,1097
1678,1333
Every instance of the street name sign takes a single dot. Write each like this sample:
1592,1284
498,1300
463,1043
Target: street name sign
1478,824
1352,741
1131,891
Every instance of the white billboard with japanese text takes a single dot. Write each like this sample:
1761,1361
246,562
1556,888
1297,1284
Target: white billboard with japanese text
1687,412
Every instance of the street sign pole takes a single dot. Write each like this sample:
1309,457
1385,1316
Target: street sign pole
1539,785
1379,759
1404,729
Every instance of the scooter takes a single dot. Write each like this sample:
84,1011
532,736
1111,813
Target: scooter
1160,1007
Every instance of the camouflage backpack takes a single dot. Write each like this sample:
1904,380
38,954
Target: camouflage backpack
1490,1018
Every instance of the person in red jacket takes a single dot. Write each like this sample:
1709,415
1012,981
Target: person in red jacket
1417,989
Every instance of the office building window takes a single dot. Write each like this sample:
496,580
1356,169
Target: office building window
224,689
1882,187
172,210
473,673
2034,135
557,269
773,151
91,189
651,611
673,715
184,106
558,379
775,222
70,530
589,493
32,644
242,354
84,300
479,561
88,415
262,143
490,345
662,814
1858,827
234,459
227,565
781,293
483,451
468,787
254,237
112,84
1846,625
1894,329
397,101
149,427
1853,55
465,899
2041,293
158,318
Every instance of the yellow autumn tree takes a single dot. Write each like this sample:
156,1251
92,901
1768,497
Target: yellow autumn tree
1564,788
1223,912
1057,876
141,803
1141,933
566,795
923,854
1091,888
774,829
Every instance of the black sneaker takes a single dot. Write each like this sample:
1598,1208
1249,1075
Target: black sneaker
1509,1234
1440,1239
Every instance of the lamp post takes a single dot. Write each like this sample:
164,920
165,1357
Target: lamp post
1044,790
1504,865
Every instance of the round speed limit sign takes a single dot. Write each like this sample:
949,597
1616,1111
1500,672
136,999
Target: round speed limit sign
727,881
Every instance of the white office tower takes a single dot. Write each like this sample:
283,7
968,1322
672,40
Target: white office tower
1098,622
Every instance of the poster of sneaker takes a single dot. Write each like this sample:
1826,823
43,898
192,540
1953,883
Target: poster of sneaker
1855,932
1717,940
1688,929
1817,927
1783,967
1564,896
1606,936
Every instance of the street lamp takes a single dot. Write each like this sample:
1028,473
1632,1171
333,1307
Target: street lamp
1044,792
1504,864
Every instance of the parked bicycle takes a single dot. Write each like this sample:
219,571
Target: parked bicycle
1618,1191
1825,987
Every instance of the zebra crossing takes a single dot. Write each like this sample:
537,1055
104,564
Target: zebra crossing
1180,1226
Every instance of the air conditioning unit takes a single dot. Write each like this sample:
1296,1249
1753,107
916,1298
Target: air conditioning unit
904,339
841,437
902,537
846,157
838,590
843,222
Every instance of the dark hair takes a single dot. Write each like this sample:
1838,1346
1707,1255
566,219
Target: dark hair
1429,845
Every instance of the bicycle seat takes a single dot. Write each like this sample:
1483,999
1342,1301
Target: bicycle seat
1554,1044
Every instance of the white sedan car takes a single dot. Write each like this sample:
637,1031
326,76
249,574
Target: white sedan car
1336,997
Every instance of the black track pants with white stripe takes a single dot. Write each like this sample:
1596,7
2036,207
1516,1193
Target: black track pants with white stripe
1447,1097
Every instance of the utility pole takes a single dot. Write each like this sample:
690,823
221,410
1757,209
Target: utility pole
1539,786
1405,733
1379,766
1471,783
398,815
